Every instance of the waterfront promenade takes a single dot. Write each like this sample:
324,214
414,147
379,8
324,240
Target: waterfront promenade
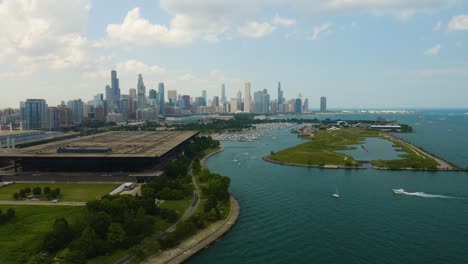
199,241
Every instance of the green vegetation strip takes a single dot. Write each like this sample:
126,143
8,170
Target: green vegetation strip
411,160
321,150
21,237
72,192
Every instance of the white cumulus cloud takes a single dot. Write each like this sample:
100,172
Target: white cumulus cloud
283,21
434,51
256,29
458,23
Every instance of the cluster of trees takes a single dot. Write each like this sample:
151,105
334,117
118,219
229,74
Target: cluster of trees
114,222
48,192
7,216
214,188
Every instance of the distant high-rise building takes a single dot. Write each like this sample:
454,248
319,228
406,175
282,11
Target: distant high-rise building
323,104
99,113
223,93
109,94
280,94
34,114
98,99
266,101
132,103
258,102
53,118
186,99
65,116
172,95
247,98
141,89
239,100
305,107
77,110
153,97
124,107
215,101
233,104
205,95
162,106
115,90
298,106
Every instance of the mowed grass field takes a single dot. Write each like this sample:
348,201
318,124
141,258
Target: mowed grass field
320,151
71,192
21,237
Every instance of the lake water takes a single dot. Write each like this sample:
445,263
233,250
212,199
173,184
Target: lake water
288,214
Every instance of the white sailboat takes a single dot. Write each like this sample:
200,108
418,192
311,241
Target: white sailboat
336,194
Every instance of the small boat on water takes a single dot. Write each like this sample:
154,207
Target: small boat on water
398,191
336,194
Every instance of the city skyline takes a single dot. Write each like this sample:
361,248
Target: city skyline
394,54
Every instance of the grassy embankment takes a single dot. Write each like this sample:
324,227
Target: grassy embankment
70,192
202,185
21,238
320,151
411,160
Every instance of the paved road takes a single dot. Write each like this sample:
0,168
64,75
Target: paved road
42,203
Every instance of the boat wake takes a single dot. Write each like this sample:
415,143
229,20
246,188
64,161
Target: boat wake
422,194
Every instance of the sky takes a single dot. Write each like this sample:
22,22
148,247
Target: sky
357,53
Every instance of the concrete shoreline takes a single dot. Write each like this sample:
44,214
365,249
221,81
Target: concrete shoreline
199,241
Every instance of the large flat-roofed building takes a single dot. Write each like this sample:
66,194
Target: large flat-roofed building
116,151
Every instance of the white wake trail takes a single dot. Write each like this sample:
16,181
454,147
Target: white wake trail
423,194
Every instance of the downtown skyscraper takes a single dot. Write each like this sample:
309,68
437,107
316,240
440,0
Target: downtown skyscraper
223,93
162,107
247,98
141,90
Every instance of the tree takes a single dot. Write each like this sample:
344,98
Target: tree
88,243
116,234
59,237
46,190
10,213
16,196
37,191
101,223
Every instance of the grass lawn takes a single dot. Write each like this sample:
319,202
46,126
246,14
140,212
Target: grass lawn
21,237
72,192
178,205
321,149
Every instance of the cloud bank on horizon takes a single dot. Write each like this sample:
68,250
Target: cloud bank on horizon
386,53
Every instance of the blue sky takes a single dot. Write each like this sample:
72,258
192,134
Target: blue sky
358,53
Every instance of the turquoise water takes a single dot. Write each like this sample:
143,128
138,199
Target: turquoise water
373,149
288,214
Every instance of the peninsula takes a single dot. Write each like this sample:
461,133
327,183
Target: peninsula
322,151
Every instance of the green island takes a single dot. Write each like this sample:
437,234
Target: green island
108,228
320,151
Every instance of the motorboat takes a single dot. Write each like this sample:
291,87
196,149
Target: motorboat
336,194
398,191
